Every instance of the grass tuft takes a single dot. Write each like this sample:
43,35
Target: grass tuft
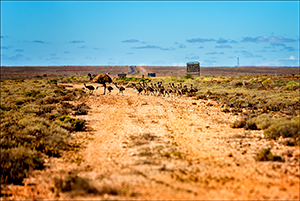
71,123
17,163
29,131
266,155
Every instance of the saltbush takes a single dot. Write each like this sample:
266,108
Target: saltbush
71,123
284,127
266,155
28,127
17,163
32,93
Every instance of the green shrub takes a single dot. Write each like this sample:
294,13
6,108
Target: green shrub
284,127
238,124
34,133
28,127
72,124
180,80
189,76
127,79
262,121
31,93
238,84
17,163
22,100
41,95
59,92
3,107
74,183
280,82
293,83
266,155
53,81
207,79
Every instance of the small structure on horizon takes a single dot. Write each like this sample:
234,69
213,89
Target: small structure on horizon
151,74
122,75
193,66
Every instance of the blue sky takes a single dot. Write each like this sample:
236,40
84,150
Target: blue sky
158,33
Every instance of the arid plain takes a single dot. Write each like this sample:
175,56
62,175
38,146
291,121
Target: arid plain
167,147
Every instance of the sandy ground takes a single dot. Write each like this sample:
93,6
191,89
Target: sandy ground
153,147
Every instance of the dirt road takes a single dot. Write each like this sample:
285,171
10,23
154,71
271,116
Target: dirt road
152,147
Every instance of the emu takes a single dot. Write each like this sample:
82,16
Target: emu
139,89
90,87
102,79
121,88
110,88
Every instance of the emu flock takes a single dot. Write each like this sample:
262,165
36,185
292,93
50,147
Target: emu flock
160,90
157,89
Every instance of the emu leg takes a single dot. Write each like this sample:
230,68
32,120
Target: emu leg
104,85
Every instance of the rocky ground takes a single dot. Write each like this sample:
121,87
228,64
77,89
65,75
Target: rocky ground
153,147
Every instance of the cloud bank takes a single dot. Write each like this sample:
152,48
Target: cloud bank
272,39
223,46
130,41
17,57
153,47
200,40
39,41
77,41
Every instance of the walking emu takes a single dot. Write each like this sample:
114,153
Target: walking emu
102,79
121,89
90,87
110,88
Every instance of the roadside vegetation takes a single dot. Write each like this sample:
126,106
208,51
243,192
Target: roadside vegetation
261,102
35,125
36,116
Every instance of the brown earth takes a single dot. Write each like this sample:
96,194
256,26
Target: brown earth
160,71
152,147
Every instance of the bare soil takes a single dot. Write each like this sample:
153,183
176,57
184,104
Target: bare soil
160,71
153,147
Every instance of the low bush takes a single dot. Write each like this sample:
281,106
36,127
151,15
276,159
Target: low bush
32,93
293,83
71,123
266,155
238,124
28,127
189,76
262,121
76,185
53,81
284,127
17,163
238,84
79,185
59,92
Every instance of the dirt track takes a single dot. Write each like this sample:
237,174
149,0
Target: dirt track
153,147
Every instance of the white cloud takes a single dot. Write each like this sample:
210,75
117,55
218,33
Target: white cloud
291,61
158,62
272,39
179,64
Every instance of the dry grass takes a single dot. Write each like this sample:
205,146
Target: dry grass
266,155
29,130
148,147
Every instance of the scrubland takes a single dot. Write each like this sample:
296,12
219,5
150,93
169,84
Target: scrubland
235,138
